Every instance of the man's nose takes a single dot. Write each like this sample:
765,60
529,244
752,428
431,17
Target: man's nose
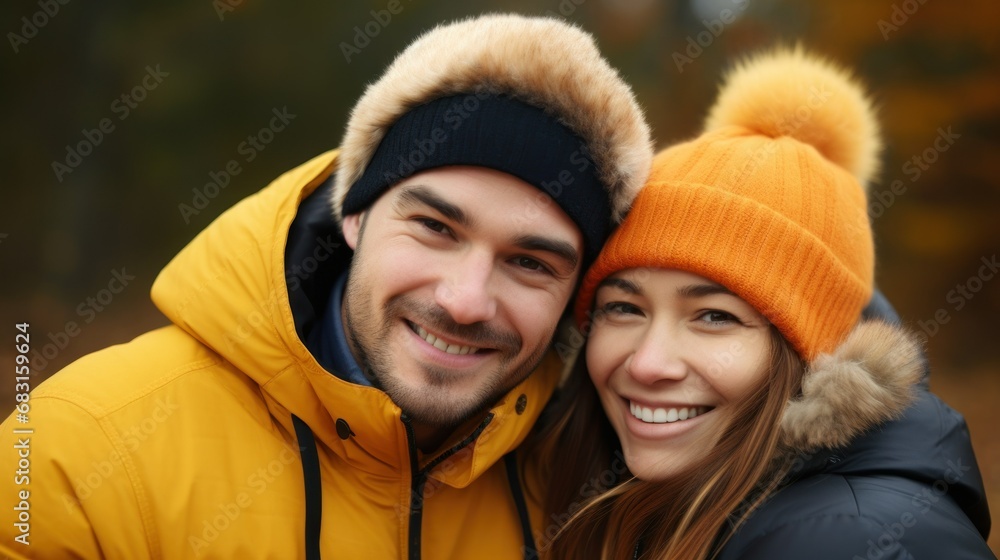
467,293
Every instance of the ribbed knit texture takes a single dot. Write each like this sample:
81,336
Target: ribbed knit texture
500,133
769,218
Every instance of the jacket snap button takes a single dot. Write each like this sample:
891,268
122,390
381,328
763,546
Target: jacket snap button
522,403
343,429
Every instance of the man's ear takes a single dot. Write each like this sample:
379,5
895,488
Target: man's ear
352,227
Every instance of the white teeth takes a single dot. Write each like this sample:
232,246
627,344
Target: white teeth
442,345
663,415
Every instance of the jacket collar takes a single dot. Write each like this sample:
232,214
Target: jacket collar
868,380
251,287
865,410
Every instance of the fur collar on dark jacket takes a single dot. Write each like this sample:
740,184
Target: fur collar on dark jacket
868,380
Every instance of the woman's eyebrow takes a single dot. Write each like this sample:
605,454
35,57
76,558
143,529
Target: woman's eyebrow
701,290
624,285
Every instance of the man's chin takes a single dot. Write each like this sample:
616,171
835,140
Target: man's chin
447,399
440,409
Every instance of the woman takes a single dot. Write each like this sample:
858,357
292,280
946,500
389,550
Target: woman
726,348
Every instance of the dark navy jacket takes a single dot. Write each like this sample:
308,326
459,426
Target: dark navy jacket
908,489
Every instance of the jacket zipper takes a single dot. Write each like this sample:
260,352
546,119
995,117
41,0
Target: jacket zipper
418,478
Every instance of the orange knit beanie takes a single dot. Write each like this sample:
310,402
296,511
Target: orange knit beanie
768,201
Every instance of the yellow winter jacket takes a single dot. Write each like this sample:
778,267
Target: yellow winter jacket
181,443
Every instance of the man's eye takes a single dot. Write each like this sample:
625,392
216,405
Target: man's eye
433,225
529,263
534,265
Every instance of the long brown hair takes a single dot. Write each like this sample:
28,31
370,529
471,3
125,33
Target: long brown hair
594,509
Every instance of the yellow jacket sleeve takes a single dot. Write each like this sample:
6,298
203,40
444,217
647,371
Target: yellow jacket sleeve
68,492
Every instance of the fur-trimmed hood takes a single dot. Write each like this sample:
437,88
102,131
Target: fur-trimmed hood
543,62
868,380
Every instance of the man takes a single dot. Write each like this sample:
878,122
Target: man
358,349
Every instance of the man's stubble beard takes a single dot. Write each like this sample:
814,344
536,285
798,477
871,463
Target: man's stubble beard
432,403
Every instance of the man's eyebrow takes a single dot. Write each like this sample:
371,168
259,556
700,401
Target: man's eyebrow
626,286
561,249
420,194
702,290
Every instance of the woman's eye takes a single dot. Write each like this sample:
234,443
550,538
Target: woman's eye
620,308
719,317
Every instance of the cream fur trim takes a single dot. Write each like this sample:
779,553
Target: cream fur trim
866,381
540,61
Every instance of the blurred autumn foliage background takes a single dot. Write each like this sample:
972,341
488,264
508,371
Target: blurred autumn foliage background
121,119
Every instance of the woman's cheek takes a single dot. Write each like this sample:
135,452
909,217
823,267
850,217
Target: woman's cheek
605,352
